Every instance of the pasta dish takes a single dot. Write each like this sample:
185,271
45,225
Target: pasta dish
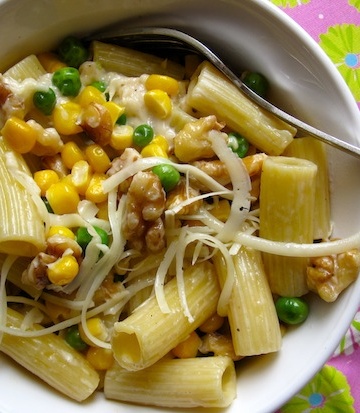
157,226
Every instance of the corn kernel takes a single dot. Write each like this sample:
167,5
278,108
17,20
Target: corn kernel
63,271
81,174
62,198
158,102
97,158
122,137
153,150
166,83
89,95
60,230
189,347
115,110
66,118
45,178
100,358
221,210
19,135
103,212
95,192
161,141
50,62
67,180
71,153
96,328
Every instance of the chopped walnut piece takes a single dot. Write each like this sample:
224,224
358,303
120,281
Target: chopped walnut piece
36,273
97,123
155,236
253,163
329,276
191,143
180,194
219,345
48,141
55,163
5,92
145,203
129,156
11,104
107,290
216,169
58,244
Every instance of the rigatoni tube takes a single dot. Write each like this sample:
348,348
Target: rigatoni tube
131,62
210,92
314,150
287,198
251,311
22,228
29,67
51,359
148,333
193,382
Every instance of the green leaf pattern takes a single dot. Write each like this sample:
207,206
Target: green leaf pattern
329,391
342,44
290,3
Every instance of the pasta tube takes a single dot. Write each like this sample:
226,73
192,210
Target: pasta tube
287,198
148,333
193,382
315,151
210,92
29,67
15,273
50,358
252,316
131,62
22,228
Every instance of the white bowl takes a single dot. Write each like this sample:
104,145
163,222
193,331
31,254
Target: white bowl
250,34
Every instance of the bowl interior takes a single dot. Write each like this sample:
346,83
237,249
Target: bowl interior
248,34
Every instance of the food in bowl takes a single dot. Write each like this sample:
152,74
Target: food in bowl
313,90
146,200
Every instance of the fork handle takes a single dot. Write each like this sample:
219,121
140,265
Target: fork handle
301,126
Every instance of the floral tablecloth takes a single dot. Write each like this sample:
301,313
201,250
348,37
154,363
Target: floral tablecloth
335,25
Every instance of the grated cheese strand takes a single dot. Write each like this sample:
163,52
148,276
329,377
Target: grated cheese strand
8,262
104,265
241,186
143,164
161,276
180,253
291,249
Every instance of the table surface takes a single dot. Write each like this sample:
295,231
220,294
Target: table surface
335,25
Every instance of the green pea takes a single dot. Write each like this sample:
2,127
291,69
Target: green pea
122,119
168,175
72,51
238,144
45,101
99,85
83,237
143,135
67,80
292,310
257,82
73,338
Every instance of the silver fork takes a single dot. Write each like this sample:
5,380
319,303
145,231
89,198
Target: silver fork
160,39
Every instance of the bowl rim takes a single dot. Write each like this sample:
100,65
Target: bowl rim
347,97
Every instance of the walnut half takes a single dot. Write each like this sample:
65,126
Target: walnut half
329,276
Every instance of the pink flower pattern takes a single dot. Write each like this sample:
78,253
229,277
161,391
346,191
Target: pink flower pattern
335,25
